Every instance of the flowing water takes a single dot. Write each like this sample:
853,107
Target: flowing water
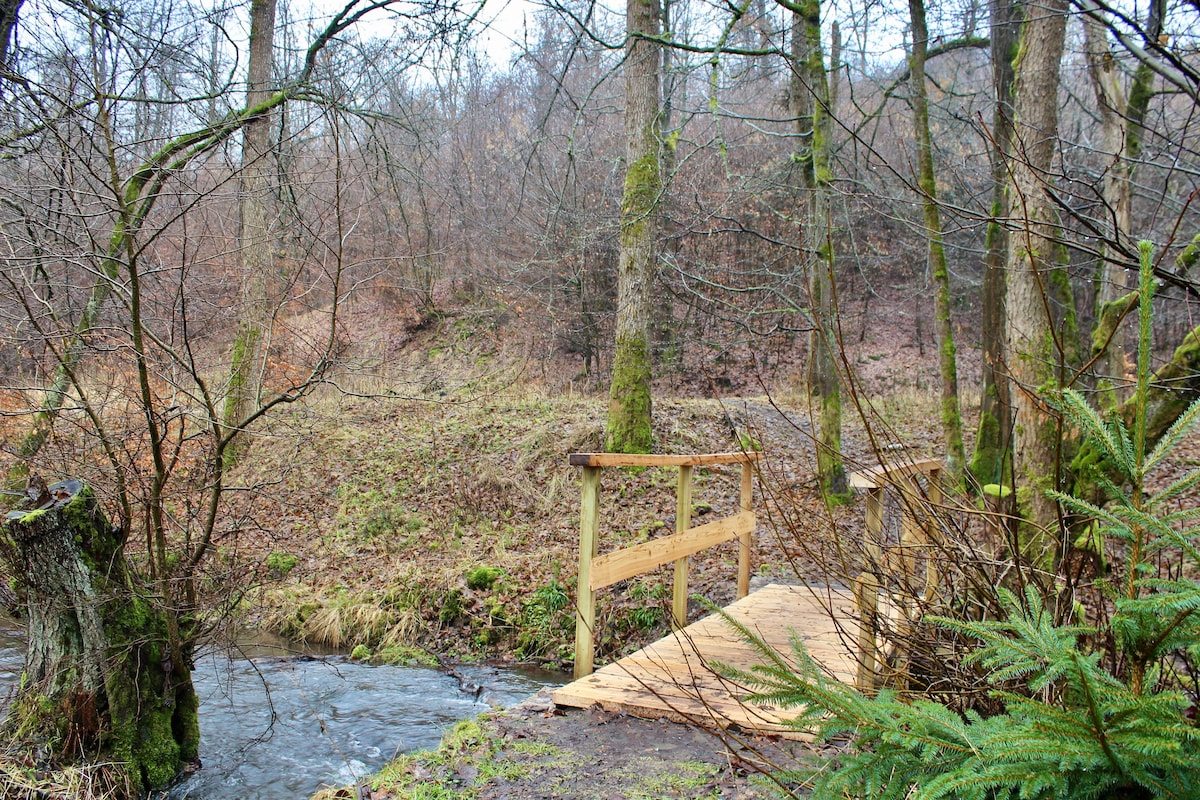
276,727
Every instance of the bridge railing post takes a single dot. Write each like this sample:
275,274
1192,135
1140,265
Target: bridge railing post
597,571
866,597
683,521
867,592
585,618
745,503
896,568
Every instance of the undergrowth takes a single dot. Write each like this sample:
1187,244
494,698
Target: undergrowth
1099,702
453,528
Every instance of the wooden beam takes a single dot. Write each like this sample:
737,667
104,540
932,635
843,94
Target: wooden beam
890,473
873,546
746,503
866,597
683,521
585,603
655,460
933,537
612,567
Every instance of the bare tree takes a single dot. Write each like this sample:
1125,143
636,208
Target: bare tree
992,436
257,216
927,180
108,177
629,406
814,130
1035,350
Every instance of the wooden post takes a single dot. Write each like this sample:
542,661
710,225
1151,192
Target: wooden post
933,536
746,503
866,595
866,591
912,535
585,609
873,547
683,521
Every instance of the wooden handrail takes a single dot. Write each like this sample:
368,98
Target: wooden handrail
597,571
891,473
656,460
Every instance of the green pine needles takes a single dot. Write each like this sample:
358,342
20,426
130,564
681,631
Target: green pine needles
1104,708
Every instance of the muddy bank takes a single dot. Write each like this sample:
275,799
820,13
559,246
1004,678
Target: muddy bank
534,751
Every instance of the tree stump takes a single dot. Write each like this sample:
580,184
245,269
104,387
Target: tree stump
103,680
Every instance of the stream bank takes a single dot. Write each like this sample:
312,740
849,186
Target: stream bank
277,725
534,751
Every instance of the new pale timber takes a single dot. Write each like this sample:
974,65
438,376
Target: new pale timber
597,571
675,678
916,484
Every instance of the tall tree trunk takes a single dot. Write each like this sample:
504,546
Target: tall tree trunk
629,405
947,359
814,131
1036,349
988,461
1121,118
9,11
99,654
247,360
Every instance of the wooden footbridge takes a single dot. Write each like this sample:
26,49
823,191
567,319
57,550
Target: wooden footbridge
675,677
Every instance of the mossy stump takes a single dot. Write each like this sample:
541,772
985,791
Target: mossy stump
102,682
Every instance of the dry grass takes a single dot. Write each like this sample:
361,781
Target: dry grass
22,779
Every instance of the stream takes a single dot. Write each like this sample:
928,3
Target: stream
275,726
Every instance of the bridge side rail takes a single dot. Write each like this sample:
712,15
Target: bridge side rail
904,477
597,571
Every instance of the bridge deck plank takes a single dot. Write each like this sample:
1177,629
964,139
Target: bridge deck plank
673,679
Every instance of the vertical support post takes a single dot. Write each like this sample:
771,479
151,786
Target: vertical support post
746,503
933,537
585,608
912,534
866,595
873,546
683,521
866,592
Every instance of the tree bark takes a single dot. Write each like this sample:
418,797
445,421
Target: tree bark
629,405
99,679
1121,117
989,463
247,360
952,437
814,131
1036,350
9,11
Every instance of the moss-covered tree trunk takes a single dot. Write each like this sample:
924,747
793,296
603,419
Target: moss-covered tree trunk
246,362
629,405
99,682
1037,344
1173,387
952,436
988,460
1121,117
9,10
814,131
